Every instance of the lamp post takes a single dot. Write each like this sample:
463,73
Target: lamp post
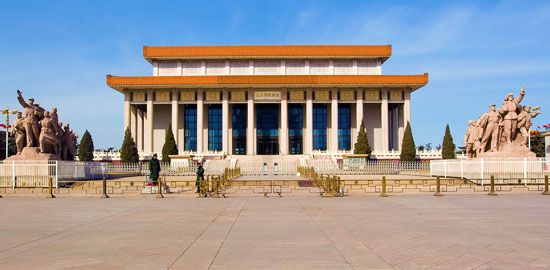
7,112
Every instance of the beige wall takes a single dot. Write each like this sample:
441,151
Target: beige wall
162,118
266,67
373,125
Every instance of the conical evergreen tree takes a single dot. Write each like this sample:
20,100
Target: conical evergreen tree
170,147
128,151
86,147
408,149
448,146
362,145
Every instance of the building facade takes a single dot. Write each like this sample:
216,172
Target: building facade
267,100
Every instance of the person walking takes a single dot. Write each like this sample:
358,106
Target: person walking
200,177
154,169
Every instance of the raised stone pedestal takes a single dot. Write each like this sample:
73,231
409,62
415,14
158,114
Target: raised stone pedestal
32,153
514,149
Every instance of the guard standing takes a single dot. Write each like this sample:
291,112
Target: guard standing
200,177
154,169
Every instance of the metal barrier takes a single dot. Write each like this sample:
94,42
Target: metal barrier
329,186
214,186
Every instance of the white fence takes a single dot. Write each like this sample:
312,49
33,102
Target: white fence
505,170
21,174
279,167
361,166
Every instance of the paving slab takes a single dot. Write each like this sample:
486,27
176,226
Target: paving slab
401,232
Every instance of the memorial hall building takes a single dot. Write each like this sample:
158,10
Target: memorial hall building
267,100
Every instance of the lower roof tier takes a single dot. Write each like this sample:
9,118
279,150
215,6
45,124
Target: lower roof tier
411,82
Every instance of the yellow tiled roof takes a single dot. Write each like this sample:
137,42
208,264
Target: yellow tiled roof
382,52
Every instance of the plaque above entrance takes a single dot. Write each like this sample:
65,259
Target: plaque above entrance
267,95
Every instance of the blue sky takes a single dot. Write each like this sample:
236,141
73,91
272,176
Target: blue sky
475,51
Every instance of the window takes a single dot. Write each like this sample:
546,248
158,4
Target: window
215,127
319,127
344,127
190,128
239,121
295,128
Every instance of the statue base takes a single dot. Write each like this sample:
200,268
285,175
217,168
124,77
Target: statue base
514,149
32,153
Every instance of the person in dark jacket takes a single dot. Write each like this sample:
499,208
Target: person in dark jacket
200,177
154,169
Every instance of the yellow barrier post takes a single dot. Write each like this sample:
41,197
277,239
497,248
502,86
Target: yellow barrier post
104,195
340,188
383,194
438,187
546,192
50,188
492,192
159,189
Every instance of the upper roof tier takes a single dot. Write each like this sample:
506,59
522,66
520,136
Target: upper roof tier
411,82
382,52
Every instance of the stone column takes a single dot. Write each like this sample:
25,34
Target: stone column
200,112
175,115
384,121
407,108
225,120
139,136
150,124
133,122
283,135
358,115
308,146
250,124
127,99
334,122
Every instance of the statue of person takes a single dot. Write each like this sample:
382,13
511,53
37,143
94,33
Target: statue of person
69,143
30,107
470,139
48,135
18,130
32,127
60,133
490,125
524,123
509,111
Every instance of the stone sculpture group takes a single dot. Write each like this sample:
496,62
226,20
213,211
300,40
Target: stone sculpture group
503,132
39,134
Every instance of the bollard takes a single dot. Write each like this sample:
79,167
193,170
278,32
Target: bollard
384,194
438,187
50,188
546,192
492,192
104,195
159,190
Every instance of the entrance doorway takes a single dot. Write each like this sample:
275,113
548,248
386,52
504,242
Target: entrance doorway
267,129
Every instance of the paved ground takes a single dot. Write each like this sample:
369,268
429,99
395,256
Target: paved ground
452,232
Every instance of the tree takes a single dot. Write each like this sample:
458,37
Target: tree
11,145
86,147
362,145
537,144
408,149
170,147
448,145
421,148
128,151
